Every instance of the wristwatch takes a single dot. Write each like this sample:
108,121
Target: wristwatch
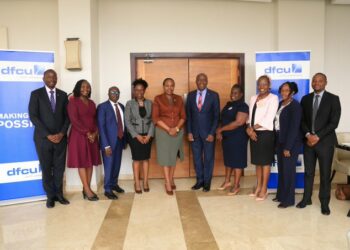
177,129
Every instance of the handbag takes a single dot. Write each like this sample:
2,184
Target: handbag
342,192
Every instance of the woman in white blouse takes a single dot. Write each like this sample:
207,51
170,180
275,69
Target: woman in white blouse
262,111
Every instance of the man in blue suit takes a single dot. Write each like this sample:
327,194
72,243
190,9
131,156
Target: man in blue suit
110,119
203,110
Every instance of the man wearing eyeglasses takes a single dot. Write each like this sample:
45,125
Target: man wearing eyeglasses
110,120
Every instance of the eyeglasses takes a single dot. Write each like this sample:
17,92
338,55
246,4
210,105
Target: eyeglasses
114,92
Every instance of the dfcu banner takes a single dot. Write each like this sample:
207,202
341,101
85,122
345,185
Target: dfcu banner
20,174
285,66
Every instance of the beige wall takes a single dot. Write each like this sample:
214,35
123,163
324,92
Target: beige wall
119,27
31,24
180,26
337,57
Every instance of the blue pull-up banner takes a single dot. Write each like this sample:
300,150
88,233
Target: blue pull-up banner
282,66
20,174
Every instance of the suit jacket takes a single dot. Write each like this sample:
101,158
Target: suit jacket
108,125
46,121
204,122
134,122
327,117
290,119
169,114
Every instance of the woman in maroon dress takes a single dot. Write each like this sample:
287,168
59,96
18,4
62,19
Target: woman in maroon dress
83,149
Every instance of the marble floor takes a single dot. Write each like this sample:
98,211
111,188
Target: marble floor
187,220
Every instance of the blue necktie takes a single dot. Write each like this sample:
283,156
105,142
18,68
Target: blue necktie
52,100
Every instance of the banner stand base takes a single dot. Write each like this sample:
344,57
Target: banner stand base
22,200
274,190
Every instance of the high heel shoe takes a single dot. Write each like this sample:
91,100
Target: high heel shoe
254,193
146,188
172,183
168,192
224,186
262,198
138,191
92,198
234,191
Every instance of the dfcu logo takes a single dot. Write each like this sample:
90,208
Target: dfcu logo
23,171
294,68
13,70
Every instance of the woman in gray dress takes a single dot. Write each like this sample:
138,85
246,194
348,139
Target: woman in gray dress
138,121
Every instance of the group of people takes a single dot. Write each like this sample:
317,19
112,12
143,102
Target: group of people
271,126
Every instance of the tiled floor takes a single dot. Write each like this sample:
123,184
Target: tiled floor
187,220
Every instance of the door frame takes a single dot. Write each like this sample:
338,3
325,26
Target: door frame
174,55
171,55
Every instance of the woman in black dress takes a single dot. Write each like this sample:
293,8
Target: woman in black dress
138,120
234,138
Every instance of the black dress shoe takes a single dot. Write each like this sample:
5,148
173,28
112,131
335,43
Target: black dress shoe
50,203
62,200
275,199
303,204
281,205
118,189
111,196
197,186
325,210
206,188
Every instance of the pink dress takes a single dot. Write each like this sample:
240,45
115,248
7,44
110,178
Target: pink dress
81,152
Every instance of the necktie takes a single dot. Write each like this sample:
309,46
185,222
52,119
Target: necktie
199,104
120,123
314,112
52,100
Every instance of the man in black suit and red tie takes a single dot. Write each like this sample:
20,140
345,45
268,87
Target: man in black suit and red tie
321,115
48,113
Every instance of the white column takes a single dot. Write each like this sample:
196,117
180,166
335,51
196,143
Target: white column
79,18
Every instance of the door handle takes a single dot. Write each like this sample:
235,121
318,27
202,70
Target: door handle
185,97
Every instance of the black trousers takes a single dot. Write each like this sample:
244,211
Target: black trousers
52,158
323,152
286,174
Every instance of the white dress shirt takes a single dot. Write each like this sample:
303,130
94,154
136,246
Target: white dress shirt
277,117
319,98
116,117
120,111
265,111
204,93
49,94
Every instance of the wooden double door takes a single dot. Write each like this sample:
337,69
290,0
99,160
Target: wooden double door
222,74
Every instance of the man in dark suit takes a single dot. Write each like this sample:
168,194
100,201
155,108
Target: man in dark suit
110,121
321,115
48,113
203,110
